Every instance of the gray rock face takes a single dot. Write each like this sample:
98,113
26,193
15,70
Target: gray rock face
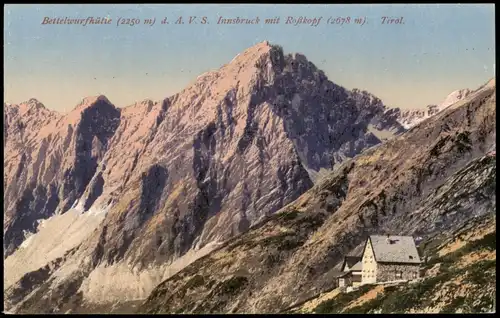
49,167
411,117
199,167
335,122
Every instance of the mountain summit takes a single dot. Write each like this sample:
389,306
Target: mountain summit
139,192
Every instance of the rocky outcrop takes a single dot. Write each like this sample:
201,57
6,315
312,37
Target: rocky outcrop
410,117
454,97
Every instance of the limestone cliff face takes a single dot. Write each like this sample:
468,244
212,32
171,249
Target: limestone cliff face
155,181
50,159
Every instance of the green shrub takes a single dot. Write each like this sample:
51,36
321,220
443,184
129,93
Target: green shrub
368,306
398,302
463,142
329,306
195,281
477,272
210,283
290,243
178,311
232,285
413,295
290,215
452,307
488,242
273,240
271,260
485,304
390,289
337,304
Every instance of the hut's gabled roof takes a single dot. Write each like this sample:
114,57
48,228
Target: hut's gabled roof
394,249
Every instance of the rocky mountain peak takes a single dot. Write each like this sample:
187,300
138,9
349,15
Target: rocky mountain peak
90,101
33,102
198,167
32,106
90,108
248,57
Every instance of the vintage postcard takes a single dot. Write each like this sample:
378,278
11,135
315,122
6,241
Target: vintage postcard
249,159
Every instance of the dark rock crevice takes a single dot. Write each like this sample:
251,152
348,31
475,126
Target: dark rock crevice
100,121
36,202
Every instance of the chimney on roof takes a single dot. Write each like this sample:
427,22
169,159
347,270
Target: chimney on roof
389,241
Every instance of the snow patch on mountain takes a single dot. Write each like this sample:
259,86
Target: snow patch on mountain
122,281
454,97
59,234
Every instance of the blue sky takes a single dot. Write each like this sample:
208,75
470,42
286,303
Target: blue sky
439,49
